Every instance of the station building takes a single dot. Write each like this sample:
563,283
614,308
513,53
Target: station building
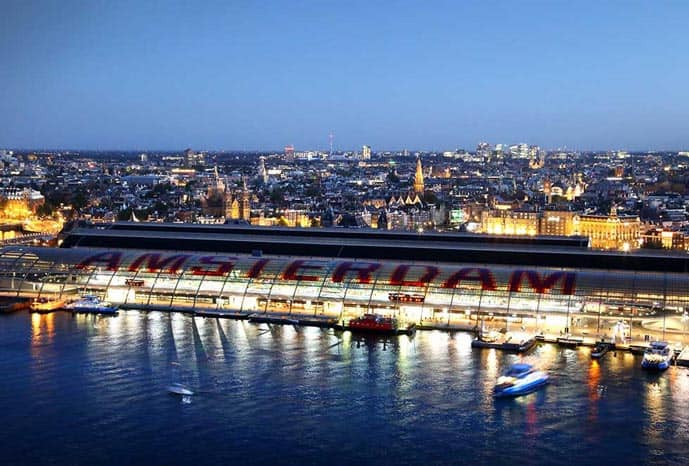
555,284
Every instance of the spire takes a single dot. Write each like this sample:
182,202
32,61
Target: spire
418,178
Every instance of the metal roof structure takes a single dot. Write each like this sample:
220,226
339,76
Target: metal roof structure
370,245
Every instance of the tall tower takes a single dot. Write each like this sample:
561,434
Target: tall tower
366,153
331,137
262,172
547,190
246,207
418,178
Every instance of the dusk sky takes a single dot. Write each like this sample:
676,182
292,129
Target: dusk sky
257,75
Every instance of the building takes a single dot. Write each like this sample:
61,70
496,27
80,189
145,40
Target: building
510,222
262,172
191,158
418,178
19,204
659,238
557,223
366,153
605,231
434,279
621,232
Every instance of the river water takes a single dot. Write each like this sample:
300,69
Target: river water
92,390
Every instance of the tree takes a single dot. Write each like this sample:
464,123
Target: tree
392,177
45,210
277,196
80,200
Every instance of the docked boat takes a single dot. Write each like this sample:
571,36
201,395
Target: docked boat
44,305
13,305
600,349
657,356
488,337
520,379
374,323
92,305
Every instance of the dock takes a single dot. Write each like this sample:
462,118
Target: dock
570,341
318,321
223,314
521,344
273,318
683,357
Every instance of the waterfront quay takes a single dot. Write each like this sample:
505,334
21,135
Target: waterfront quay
553,288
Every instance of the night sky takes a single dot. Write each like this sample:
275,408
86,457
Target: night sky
257,75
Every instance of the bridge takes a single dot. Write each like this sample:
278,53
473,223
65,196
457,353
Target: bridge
27,238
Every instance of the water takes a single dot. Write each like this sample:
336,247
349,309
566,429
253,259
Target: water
92,390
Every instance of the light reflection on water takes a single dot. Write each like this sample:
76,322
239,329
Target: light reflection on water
268,394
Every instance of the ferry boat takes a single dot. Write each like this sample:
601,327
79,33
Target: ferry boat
45,305
658,356
93,305
374,323
520,379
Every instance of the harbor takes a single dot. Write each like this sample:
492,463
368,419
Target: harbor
361,390
520,341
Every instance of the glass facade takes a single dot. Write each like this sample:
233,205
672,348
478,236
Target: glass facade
625,304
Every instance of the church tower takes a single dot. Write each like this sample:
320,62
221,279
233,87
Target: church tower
246,206
418,178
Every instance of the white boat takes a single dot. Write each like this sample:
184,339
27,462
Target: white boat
92,304
45,305
657,356
520,379
179,389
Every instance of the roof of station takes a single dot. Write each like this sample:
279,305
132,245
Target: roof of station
369,244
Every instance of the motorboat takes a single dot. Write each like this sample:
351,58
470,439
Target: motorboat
520,379
179,389
600,349
93,305
374,323
657,356
45,305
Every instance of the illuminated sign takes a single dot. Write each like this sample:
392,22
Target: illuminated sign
133,282
335,272
456,216
406,298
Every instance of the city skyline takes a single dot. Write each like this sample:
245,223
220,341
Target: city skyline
245,77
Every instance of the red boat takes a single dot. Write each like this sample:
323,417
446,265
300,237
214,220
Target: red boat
374,323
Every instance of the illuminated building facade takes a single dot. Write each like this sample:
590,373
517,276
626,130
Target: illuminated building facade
418,178
557,223
609,231
341,289
510,222
604,231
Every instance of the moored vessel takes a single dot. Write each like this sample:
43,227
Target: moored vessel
45,305
374,323
92,305
600,349
657,356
